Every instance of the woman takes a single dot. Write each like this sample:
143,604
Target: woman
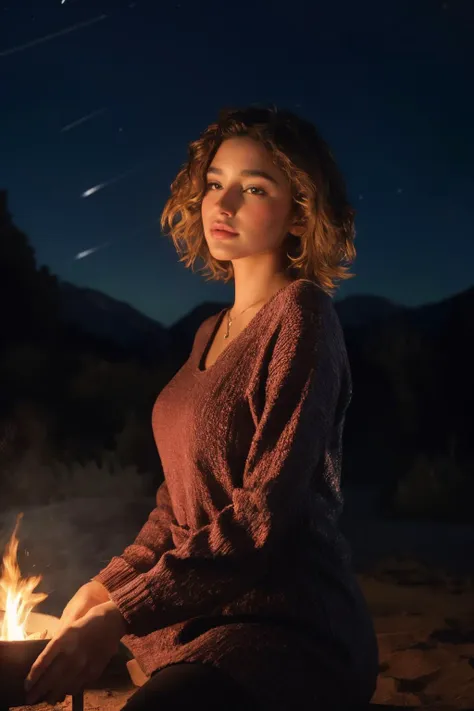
238,592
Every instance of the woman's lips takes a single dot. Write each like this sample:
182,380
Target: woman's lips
222,234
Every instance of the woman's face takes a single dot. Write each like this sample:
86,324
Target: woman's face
251,195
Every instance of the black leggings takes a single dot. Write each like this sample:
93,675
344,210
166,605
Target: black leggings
188,685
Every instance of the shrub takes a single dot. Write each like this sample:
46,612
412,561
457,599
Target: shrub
436,487
29,481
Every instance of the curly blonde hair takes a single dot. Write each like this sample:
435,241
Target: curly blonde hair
325,248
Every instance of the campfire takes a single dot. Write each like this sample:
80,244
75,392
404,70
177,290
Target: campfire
17,598
23,633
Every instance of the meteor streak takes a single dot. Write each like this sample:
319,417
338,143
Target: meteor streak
101,186
83,119
46,38
92,250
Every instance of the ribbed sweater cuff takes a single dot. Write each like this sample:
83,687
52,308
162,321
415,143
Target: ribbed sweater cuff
116,574
129,590
135,603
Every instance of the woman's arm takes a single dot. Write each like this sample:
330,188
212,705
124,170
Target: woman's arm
146,550
153,540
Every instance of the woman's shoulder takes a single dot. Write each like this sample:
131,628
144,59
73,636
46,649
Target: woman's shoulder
304,301
307,315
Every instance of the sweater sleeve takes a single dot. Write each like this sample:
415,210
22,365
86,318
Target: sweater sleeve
301,383
143,554
154,538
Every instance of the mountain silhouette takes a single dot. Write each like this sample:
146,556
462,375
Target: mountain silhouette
108,318
102,316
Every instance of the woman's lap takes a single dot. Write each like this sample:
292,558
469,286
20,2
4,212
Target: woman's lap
187,685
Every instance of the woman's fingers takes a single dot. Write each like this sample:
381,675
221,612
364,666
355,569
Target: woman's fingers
72,680
74,686
40,665
50,682
56,674
63,678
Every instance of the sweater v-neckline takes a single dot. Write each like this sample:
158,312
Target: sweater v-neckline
209,341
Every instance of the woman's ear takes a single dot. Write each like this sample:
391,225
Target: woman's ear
297,223
296,228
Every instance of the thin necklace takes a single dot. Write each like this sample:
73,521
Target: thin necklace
230,321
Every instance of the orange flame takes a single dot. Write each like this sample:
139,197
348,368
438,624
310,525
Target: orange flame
17,598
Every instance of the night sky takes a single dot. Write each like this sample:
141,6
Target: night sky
110,93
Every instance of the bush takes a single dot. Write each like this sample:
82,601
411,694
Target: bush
29,481
437,488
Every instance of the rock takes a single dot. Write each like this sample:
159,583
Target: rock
412,664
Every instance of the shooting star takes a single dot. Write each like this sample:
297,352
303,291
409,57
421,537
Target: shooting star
90,116
46,38
101,186
95,189
92,250
133,235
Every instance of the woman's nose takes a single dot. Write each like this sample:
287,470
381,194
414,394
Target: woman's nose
227,203
228,200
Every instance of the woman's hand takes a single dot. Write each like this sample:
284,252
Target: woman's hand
88,596
76,656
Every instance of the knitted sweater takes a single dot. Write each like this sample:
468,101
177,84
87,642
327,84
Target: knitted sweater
241,564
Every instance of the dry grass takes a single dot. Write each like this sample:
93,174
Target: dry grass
29,481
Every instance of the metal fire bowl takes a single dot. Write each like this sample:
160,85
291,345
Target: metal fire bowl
16,658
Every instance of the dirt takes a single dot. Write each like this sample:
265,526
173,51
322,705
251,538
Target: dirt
425,633
424,617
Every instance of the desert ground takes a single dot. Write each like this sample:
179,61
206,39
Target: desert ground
417,578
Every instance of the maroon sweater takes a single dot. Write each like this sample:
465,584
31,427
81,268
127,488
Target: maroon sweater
241,563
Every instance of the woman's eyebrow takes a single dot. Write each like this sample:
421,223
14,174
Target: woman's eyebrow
246,173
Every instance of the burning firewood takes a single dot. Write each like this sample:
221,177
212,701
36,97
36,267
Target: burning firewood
39,635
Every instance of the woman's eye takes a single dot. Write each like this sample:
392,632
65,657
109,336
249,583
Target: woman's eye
253,187
260,192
